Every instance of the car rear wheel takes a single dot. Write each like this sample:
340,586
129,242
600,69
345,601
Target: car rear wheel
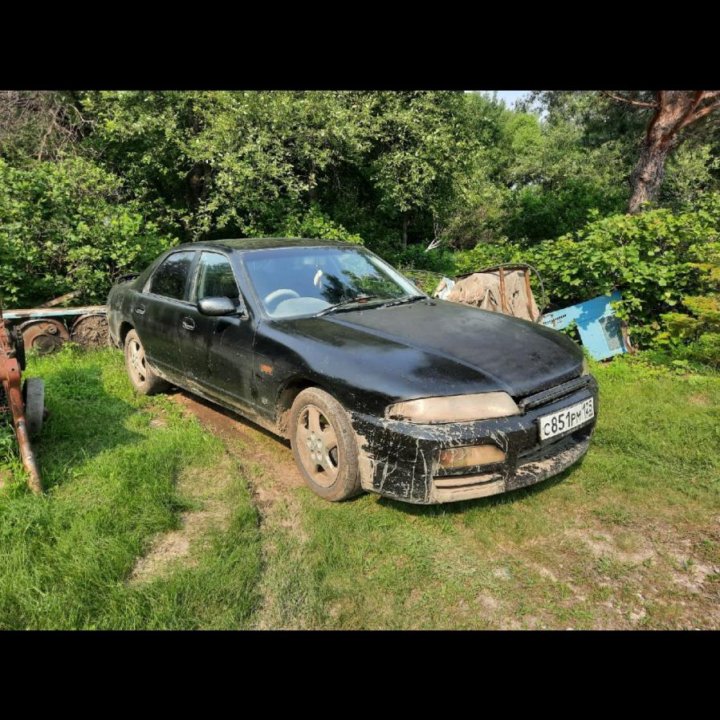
324,445
143,379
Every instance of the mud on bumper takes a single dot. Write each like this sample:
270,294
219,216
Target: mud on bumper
400,459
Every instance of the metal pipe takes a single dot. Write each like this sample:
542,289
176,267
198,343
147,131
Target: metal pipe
10,377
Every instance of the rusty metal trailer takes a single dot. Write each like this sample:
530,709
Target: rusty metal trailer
25,402
45,329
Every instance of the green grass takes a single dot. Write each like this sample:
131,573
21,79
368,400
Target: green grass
611,543
628,538
111,478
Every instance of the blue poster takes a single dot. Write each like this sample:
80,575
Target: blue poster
600,330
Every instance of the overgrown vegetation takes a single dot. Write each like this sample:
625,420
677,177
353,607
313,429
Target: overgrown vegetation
64,226
666,263
628,538
112,462
94,184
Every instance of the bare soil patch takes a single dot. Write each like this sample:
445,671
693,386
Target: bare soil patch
631,549
208,489
267,463
268,459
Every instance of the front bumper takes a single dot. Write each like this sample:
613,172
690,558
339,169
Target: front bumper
400,459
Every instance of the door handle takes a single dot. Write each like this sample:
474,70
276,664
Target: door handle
140,310
188,323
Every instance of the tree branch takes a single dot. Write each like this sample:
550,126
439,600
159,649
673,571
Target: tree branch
659,108
629,101
47,133
687,117
702,113
699,97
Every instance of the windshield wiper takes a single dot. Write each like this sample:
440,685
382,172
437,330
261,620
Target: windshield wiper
359,299
404,300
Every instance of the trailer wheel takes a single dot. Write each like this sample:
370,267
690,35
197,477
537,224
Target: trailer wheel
44,336
34,399
91,331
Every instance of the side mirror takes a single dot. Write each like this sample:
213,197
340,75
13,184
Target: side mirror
217,306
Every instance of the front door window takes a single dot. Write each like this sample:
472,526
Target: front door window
215,278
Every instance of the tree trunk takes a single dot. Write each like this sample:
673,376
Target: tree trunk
675,110
648,174
197,183
405,230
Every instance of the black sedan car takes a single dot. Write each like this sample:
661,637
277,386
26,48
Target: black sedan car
377,386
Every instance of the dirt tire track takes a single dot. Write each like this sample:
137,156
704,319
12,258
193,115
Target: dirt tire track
249,444
263,459
168,549
268,466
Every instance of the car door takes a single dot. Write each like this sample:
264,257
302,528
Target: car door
158,311
218,351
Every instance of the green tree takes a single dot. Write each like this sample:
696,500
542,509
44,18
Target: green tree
228,162
648,128
65,226
672,112
419,148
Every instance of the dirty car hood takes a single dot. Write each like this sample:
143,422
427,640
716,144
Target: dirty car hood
443,348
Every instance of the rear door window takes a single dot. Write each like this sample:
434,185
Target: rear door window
170,279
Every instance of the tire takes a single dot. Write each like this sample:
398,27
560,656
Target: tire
34,400
324,445
143,379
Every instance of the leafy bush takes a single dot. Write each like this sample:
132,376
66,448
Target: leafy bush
706,349
414,257
696,336
658,260
314,224
535,213
425,269
64,226
486,255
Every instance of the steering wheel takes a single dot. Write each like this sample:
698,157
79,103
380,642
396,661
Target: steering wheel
275,296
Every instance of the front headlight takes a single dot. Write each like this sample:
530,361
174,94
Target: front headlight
454,408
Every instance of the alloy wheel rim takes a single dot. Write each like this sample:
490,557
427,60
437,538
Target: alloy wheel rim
137,361
318,446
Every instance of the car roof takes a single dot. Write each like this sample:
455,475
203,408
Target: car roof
242,244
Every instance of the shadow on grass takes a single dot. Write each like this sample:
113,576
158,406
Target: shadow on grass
83,421
506,498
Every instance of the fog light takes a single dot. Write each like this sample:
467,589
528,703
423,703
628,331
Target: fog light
470,456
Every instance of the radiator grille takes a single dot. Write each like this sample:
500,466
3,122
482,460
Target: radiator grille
553,393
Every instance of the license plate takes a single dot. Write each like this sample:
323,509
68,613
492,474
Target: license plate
566,419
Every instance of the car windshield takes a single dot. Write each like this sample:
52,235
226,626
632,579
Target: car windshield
292,282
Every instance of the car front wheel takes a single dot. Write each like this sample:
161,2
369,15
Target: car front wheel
324,445
143,379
